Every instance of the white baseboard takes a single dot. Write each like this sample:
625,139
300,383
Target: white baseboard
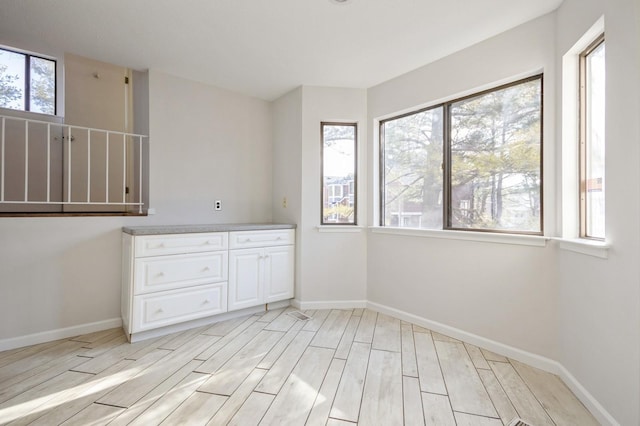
174,328
60,333
543,363
329,304
586,398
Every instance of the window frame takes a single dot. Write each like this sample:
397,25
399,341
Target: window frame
583,140
27,80
355,172
446,158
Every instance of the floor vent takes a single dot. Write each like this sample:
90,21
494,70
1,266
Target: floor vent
519,422
299,316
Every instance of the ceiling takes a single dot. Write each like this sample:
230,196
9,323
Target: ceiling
264,48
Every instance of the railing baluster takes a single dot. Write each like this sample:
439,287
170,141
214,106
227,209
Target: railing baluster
106,179
124,168
26,161
88,166
48,162
129,152
3,161
140,176
69,164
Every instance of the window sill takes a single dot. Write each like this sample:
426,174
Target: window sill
339,228
485,237
589,247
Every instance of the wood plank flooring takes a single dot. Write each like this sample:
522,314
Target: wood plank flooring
341,367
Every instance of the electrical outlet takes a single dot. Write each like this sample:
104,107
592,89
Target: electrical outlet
284,202
218,205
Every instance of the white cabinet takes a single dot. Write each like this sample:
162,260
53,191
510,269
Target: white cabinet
261,267
171,280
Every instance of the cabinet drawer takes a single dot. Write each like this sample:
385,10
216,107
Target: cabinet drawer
186,270
156,245
171,307
248,239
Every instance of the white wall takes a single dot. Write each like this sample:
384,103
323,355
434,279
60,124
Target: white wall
206,144
501,292
287,167
599,300
334,263
330,267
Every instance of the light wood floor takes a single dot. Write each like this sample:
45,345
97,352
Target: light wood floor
342,367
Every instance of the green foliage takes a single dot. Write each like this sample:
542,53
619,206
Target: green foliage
338,214
43,85
495,162
8,91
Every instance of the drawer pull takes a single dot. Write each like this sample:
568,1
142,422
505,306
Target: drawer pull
206,301
247,240
159,311
206,269
279,238
160,274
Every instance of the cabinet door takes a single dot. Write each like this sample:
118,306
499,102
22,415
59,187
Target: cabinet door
279,273
245,278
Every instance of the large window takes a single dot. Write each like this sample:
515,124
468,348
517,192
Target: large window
468,164
27,82
592,140
339,173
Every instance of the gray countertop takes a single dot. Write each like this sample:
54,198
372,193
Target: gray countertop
218,227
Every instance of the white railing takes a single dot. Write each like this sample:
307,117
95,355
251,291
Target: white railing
17,145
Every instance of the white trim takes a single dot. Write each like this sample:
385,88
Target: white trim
589,247
339,228
162,331
532,359
279,304
60,333
484,237
538,361
329,304
592,404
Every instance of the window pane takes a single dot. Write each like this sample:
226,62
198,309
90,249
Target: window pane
43,85
594,167
495,159
339,174
412,149
12,80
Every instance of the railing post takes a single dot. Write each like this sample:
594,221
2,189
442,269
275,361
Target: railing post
106,178
69,164
124,168
140,176
88,165
26,161
3,161
48,162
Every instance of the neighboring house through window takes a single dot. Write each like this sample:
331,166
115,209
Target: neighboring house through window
339,182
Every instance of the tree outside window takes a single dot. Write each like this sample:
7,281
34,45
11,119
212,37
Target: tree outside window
27,82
